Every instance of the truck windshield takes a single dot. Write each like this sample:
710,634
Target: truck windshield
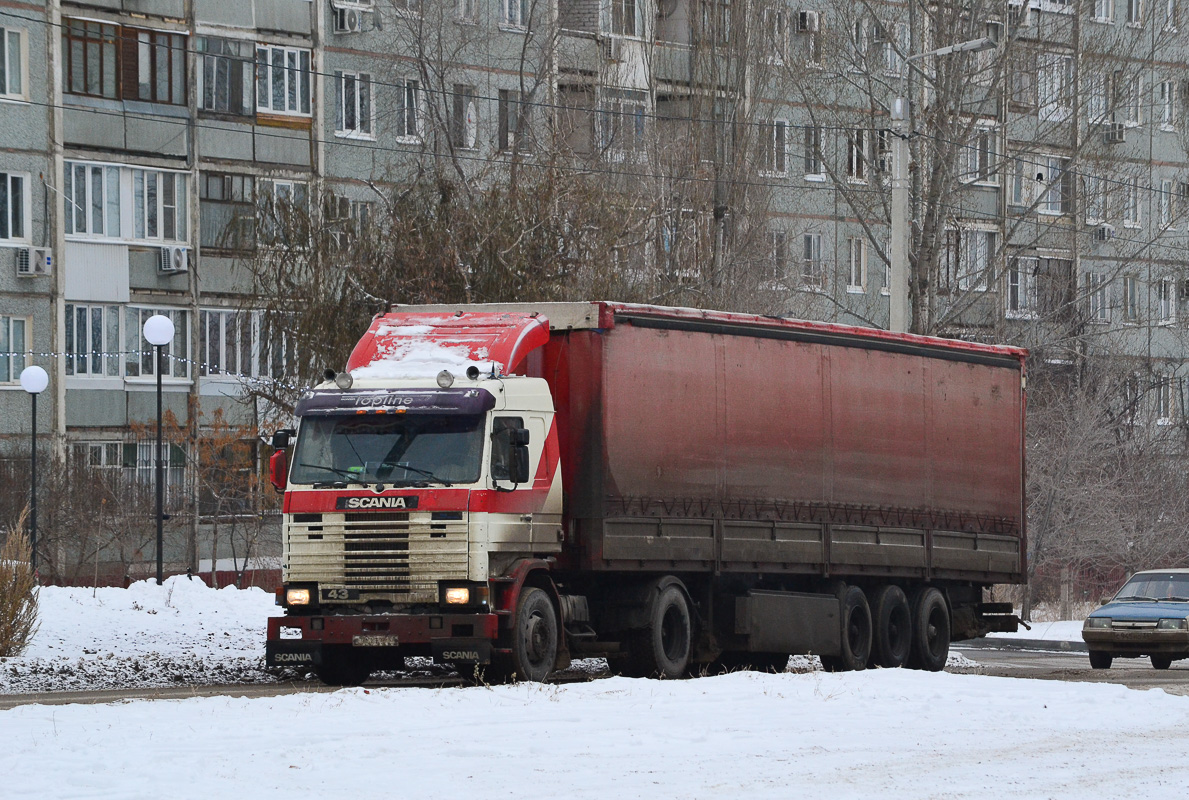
401,450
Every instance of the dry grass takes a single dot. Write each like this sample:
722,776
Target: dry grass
18,592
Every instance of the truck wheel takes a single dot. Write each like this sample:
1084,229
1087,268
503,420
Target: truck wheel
1100,660
856,634
534,638
930,631
664,648
342,667
1161,662
892,628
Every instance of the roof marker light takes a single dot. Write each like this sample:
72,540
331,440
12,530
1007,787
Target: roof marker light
445,379
344,380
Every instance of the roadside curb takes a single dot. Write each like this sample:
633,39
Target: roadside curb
1044,645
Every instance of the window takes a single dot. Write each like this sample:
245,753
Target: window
515,122
1169,7
778,255
92,340
981,166
227,211
813,273
91,194
896,46
1135,12
464,117
625,17
622,122
1163,400
716,21
1098,106
283,207
1131,298
1023,178
1131,202
159,209
158,72
347,220
1021,288
282,80
1168,104
224,75
1166,204
1058,182
776,148
858,42
813,153
514,13
776,28
1134,101
228,343
15,347
966,261
353,104
12,63
1166,301
856,156
408,123
407,8
501,445
1095,199
1104,10
139,355
90,59
1099,309
14,207
1055,86
468,11
856,273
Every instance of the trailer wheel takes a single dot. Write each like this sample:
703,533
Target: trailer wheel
1161,662
930,631
664,648
856,634
892,628
342,667
534,639
1100,660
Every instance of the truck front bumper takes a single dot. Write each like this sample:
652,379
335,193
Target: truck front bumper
455,638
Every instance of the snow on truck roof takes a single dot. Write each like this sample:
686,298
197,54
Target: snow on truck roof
420,341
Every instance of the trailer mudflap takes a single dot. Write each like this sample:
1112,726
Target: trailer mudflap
462,651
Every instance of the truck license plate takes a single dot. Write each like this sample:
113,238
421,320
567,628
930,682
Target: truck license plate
375,640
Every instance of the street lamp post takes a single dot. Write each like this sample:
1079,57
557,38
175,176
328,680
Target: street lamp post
158,331
33,380
900,315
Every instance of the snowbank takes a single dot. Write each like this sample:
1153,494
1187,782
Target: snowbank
880,733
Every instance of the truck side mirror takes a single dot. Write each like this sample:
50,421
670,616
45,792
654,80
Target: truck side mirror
518,463
280,439
278,467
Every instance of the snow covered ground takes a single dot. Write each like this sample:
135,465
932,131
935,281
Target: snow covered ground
804,733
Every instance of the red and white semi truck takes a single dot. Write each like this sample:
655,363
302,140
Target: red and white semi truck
517,485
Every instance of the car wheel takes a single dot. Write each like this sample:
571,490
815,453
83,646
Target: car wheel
1100,660
1161,662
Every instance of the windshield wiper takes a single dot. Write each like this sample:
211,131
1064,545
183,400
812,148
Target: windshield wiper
418,470
350,476
1177,598
1144,598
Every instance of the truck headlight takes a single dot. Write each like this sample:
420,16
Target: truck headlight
297,597
1097,622
1172,625
461,595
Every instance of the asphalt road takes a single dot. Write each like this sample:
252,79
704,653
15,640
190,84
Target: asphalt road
1006,663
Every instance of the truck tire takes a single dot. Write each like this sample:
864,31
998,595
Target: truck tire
534,639
664,648
891,628
930,631
1161,662
342,667
855,640
1100,660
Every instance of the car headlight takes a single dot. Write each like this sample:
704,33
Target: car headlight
297,597
1097,622
1172,625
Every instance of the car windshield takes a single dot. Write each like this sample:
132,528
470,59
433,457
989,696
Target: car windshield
410,449
1156,586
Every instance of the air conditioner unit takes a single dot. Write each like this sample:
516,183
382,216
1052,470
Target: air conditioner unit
1104,233
808,22
34,262
174,259
1114,133
613,48
348,20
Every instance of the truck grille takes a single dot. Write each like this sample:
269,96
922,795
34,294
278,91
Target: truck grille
399,557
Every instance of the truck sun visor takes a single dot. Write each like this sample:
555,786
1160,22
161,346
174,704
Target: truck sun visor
410,401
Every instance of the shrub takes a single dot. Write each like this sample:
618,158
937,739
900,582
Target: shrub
18,592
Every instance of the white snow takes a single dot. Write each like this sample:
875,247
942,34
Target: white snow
803,733
1060,631
403,353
